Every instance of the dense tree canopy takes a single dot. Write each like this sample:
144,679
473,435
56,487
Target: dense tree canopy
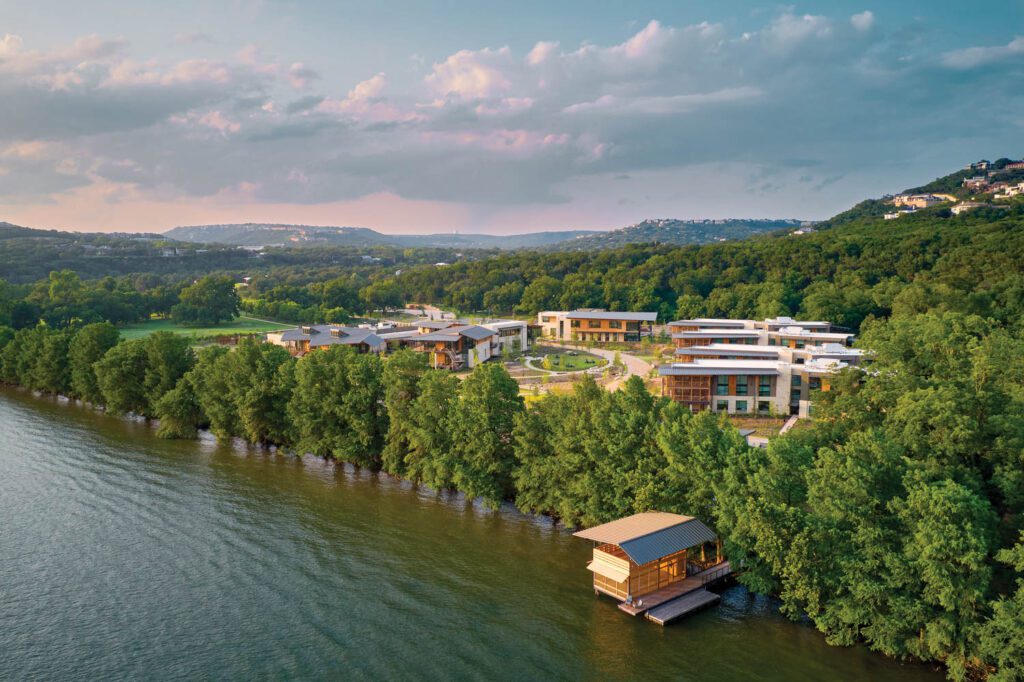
209,301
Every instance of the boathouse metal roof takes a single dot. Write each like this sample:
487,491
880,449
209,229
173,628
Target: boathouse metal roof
650,536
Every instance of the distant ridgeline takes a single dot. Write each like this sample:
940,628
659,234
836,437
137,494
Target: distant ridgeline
660,231
678,232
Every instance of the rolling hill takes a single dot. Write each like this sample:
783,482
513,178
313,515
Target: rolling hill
267,234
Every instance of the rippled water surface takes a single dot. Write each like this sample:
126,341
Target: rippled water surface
126,557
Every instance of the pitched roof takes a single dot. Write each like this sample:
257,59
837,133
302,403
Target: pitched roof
650,536
472,331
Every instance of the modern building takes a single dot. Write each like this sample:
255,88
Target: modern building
777,331
301,340
767,366
454,347
596,325
511,336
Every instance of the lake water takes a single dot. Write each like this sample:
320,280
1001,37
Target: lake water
126,557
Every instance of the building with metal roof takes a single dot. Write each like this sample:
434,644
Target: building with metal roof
650,553
301,340
596,325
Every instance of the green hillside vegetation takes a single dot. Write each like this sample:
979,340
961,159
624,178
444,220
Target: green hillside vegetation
677,232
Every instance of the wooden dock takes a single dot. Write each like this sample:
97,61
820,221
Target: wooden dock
694,585
680,606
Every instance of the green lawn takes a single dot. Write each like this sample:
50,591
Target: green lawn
240,325
561,361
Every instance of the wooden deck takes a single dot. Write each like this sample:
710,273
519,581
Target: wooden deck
693,583
681,606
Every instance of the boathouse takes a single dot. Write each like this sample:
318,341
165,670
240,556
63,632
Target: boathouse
653,558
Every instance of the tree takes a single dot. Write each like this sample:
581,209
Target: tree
541,294
87,348
132,376
402,374
1001,638
208,302
179,411
382,295
337,405
430,459
481,423
120,376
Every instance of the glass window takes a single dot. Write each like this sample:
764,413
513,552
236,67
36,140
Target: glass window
764,387
764,407
594,324
614,324
741,385
741,405
722,406
722,386
797,381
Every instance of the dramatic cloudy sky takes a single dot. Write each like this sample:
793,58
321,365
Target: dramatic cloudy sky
493,117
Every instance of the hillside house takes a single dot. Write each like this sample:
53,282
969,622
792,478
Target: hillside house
916,200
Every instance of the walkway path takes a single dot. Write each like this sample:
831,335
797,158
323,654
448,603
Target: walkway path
634,365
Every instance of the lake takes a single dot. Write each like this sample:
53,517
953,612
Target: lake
123,556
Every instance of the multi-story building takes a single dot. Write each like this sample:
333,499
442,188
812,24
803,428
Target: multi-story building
598,326
454,347
750,366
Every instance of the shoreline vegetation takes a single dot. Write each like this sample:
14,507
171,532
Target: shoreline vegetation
892,521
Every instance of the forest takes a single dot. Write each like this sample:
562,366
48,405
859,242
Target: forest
893,517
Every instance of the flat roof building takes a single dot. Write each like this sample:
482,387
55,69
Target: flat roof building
596,325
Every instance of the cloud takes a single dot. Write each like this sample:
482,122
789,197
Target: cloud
496,126
664,105
863,21
193,38
973,57
300,76
471,74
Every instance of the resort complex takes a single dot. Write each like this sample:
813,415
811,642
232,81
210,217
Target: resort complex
449,343
767,367
594,325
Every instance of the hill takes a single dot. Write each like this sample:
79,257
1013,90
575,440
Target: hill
273,234
677,232
28,254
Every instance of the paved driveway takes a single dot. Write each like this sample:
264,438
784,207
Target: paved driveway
634,365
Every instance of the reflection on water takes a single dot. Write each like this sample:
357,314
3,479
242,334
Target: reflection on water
124,556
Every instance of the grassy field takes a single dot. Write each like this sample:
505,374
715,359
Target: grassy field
561,361
765,427
240,325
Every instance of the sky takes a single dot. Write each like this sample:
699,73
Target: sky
492,117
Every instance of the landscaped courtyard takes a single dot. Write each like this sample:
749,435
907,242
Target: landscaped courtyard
559,360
